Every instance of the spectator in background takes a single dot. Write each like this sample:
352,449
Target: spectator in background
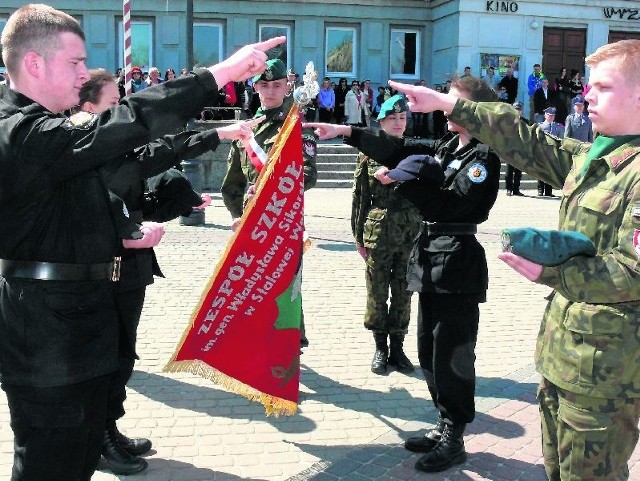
514,175
543,98
439,119
503,95
467,72
561,86
137,82
534,82
492,79
326,101
340,92
184,72
120,81
575,84
510,82
228,98
366,89
578,125
418,120
550,126
378,101
353,105
367,98
154,76
170,74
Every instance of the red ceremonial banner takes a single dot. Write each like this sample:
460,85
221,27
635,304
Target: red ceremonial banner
244,334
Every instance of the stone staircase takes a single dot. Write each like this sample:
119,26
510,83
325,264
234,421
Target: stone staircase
336,163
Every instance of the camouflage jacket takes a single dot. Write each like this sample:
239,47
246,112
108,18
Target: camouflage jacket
240,171
380,217
588,341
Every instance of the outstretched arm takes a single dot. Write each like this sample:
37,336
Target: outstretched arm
250,60
424,99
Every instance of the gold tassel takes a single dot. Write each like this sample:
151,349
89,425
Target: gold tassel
273,405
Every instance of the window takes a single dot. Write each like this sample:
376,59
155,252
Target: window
404,53
267,31
141,44
340,48
207,43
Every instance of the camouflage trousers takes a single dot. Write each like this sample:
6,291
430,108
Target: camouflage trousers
586,438
387,271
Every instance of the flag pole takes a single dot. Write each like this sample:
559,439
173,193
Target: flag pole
126,27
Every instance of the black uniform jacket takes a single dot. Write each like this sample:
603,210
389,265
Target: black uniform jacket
55,207
443,263
126,179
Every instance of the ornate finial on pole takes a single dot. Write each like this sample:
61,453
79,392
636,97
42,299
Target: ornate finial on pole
309,90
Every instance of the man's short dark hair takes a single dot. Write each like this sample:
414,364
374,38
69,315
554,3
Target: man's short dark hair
35,27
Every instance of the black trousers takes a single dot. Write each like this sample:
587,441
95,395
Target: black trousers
129,308
324,115
512,178
544,188
58,430
447,334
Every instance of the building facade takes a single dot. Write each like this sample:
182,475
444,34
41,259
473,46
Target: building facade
405,40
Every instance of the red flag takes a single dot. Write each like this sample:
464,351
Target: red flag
244,334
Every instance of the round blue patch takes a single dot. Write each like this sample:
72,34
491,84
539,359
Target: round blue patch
477,173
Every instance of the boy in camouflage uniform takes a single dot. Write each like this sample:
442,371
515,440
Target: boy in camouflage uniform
384,225
239,181
588,350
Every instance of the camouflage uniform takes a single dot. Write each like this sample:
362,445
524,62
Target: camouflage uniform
588,349
240,171
386,224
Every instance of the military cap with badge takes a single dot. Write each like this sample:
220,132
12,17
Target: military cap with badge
393,105
276,70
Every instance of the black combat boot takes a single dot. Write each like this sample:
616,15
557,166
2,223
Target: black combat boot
397,357
116,459
134,446
424,444
379,362
447,453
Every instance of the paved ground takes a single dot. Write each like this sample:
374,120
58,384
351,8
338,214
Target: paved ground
351,423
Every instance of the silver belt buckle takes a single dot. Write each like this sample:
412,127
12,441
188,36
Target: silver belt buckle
115,273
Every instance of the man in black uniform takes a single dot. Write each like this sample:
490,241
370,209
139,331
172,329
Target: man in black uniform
58,315
447,266
173,196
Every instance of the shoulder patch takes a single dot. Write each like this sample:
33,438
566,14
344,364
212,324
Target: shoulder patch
80,121
624,155
477,173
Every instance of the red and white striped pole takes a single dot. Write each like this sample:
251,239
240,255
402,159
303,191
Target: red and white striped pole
126,26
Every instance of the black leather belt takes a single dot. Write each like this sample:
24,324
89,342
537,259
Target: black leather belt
56,271
449,228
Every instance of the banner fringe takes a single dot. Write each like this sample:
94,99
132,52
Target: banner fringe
273,405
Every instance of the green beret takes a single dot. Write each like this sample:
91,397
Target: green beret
393,105
276,69
546,247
